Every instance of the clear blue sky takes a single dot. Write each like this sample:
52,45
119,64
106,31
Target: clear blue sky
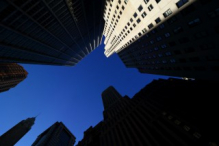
68,94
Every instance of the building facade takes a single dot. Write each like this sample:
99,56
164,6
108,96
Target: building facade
11,74
12,136
162,113
56,135
127,20
185,45
49,32
91,136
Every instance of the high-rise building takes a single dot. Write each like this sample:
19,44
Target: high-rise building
165,112
12,136
56,135
11,74
186,45
92,136
110,96
127,20
49,32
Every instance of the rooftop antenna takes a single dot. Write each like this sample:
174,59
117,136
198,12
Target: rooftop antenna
37,115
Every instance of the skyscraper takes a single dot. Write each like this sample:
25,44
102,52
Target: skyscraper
92,136
57,134
165,112
186,45
127,20
49,32
11,74
110,96
12,136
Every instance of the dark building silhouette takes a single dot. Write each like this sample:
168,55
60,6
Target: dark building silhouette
110,96
170,112
56,135
12,136
92,136
11,74
49,32
186,45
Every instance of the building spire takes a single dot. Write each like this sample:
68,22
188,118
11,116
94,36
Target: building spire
37,115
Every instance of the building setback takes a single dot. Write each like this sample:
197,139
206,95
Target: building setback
12,136
49,32
56,135
127,20
91,136
11,74
186,45
170,112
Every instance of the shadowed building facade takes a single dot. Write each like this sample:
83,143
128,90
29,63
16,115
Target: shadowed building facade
12,136
11,74
49,32
56,135
186,45
162,113
127,20
92,136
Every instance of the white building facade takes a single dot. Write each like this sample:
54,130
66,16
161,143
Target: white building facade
127,20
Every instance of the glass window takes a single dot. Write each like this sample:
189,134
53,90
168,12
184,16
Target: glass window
157,20
146,1
181,3
168,53
162,26
138,20
157,1
140,8
197,135
123,7
143,14
135,15
194,22
167,34
167,13
150,26
159,38
187,128
150,7
131,20
144,30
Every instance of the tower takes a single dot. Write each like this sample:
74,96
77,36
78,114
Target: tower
49,32
12,136
11,74
128,20
183,46
164,112
110,96
57,134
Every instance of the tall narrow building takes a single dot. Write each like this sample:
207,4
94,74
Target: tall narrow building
170,112
110,96
11,74
56,135
127,20
186,45
12,136
49,32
